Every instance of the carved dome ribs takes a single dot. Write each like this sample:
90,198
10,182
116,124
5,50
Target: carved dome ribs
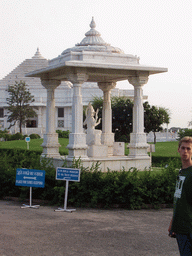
93,42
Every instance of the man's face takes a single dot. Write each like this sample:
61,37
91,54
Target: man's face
185,151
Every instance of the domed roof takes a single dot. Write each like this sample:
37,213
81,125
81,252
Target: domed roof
93,37
99,60
93,42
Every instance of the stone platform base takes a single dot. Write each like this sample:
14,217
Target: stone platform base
114,163
97,151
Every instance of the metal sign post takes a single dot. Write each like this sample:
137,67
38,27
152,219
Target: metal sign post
65,201
30,202
27,139
67,174
30,178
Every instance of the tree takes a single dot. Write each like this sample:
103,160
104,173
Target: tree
122,109
184,133
19,101
121,116
154,118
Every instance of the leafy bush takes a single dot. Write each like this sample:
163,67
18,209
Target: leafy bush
9,161
63,134
17,136
34,136
131,189
7,137
158,187
3,132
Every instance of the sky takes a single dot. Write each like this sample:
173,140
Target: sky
158,31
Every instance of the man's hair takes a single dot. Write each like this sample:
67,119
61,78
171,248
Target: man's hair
186,139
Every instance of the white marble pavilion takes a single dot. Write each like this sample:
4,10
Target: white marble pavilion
93,60
63,97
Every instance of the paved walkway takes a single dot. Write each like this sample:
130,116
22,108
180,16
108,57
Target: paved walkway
86,232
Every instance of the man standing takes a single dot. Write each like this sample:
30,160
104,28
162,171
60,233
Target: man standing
181,223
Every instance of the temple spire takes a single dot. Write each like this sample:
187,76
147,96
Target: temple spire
93,37
93,42
38,55
92,24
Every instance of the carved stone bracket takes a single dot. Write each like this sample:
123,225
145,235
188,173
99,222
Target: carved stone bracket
50,84
78,77
106,86
140,79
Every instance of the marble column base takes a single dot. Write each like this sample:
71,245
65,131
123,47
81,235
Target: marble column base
51,146
138,145
77,146
107,139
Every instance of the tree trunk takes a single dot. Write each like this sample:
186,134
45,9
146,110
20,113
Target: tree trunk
20,127
154,137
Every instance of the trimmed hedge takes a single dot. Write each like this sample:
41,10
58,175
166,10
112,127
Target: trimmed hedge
131,189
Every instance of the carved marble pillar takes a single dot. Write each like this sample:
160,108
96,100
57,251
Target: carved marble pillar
5,118
77,139
50,143
40,120
138,141
107,137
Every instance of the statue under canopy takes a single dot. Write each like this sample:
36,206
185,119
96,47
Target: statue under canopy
91,120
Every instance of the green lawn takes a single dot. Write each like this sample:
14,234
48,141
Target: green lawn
168,149
34,145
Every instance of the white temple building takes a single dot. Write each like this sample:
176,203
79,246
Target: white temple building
63,97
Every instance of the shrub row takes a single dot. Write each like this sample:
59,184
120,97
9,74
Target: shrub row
17,136
131,189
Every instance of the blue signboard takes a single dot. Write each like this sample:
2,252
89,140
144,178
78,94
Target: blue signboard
27,139
69,174
30,178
